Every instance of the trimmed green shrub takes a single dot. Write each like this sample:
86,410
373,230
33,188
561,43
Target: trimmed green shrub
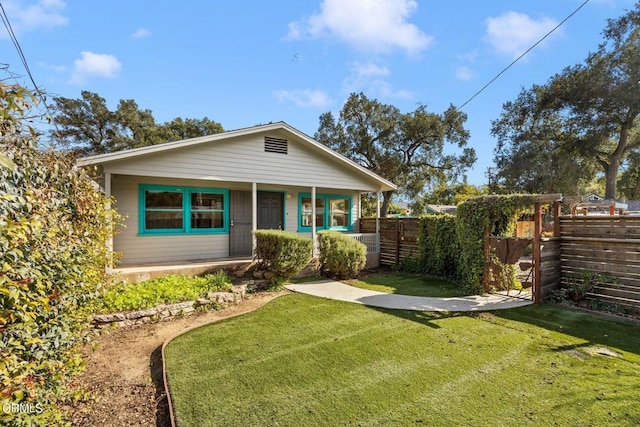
438,245
53,251
341,256
163,290
283,252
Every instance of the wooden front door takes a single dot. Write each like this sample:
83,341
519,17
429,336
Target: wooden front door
240,223
270,210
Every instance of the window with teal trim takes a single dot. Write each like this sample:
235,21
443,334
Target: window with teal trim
333,212
182,210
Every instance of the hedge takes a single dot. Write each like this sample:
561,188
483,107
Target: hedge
53,233
283,252
341,256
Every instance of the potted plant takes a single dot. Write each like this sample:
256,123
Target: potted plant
577,289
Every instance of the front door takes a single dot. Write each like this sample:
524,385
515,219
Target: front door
270,210
240,223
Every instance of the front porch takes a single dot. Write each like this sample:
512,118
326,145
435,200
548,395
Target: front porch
142,272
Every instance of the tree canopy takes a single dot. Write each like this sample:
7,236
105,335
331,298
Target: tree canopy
87,125
405,148
553,135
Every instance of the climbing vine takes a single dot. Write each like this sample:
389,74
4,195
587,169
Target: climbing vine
499,213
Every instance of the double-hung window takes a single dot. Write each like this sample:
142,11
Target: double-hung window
182,210
333,212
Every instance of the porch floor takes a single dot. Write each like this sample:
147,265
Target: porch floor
141,272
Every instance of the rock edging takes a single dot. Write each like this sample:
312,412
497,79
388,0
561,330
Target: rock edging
168,311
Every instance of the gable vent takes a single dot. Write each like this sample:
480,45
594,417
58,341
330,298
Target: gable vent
275,145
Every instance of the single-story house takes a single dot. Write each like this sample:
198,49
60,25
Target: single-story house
201,198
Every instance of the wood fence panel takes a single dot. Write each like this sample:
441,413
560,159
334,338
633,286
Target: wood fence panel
603,244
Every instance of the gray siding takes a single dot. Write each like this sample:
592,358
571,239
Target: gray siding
137,249
243,159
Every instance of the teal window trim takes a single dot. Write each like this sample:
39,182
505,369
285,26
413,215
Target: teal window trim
186,210
326,211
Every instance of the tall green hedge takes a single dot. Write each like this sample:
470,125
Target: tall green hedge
53,233
283,252
438,246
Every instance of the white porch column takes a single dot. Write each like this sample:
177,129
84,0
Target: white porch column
107,207
313,221
254,216
378,193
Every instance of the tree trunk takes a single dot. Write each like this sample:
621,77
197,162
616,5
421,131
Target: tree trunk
386,199
611,176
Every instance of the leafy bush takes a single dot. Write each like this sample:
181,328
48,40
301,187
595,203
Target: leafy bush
282,252
438,246
53,252
340,255
163,290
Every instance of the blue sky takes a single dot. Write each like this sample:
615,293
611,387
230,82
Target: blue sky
249,62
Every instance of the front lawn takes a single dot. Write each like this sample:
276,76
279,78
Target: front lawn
302,360
408,284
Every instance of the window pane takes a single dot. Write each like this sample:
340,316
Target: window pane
319,220
207,201
306,220
339,220
306,204
163,220
339,205
207,220
163,199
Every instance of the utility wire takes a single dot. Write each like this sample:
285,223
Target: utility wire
521,56
16,44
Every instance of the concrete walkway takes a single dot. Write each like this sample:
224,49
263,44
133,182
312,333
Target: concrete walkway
339,291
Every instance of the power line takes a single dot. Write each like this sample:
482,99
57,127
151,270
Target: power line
521,56
16,44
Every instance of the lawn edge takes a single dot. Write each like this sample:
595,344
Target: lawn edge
167,391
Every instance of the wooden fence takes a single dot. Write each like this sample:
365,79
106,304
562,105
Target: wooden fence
599,244
603,244
398,237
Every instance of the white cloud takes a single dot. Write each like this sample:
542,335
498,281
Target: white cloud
44,14
371,78
512,33
304,98
95,65
376,26
53,67
141,33
465,73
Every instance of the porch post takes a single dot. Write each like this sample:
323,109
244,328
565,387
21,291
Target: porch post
254,216
107,207
313,222
378,219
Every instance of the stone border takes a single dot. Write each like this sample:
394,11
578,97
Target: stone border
168,311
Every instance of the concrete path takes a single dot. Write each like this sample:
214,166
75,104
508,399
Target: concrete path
339,291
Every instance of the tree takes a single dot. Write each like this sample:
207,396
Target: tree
88,125
530,155
179,128
587,111
407,149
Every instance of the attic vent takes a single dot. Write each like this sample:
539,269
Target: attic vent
275,145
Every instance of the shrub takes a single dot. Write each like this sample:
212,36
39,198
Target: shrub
163,290
438,246
340,255
282,252
53,234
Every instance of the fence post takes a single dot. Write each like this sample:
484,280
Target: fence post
397,241
536,253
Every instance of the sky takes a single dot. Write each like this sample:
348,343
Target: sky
243,63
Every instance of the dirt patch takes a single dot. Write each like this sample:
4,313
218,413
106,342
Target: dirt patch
124,370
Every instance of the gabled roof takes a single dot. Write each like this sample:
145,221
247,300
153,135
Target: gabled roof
131,154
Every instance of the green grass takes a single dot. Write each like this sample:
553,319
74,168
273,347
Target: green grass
408,284
306,361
